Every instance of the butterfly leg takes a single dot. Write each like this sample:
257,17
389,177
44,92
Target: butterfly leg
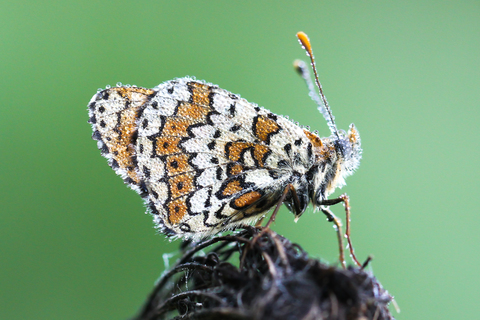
331,217
258,224
296,202
346,201
287,189
338,227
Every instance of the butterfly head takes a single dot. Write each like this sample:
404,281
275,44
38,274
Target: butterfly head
349,151
337,157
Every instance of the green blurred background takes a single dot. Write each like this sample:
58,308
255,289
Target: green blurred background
74,241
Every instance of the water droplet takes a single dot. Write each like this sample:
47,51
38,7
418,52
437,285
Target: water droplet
99,90
128,85
166,259
119,84
108,86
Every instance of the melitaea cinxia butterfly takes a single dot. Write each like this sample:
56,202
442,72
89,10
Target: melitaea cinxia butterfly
205,160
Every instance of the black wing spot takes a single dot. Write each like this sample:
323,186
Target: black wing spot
211,145
104,148
174,164
143,188
146,172
235,128
219,173
231,110
96,135
115,164
282,163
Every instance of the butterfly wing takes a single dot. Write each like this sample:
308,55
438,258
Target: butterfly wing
204,159
113,115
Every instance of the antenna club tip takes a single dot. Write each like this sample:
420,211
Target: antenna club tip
301,34
304,41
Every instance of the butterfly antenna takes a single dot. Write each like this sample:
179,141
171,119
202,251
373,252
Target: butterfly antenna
321,101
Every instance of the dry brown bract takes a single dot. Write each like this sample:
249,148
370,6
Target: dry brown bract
254,275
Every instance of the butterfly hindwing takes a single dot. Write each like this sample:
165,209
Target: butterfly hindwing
203,158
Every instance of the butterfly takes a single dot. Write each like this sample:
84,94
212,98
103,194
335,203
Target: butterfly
206,160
